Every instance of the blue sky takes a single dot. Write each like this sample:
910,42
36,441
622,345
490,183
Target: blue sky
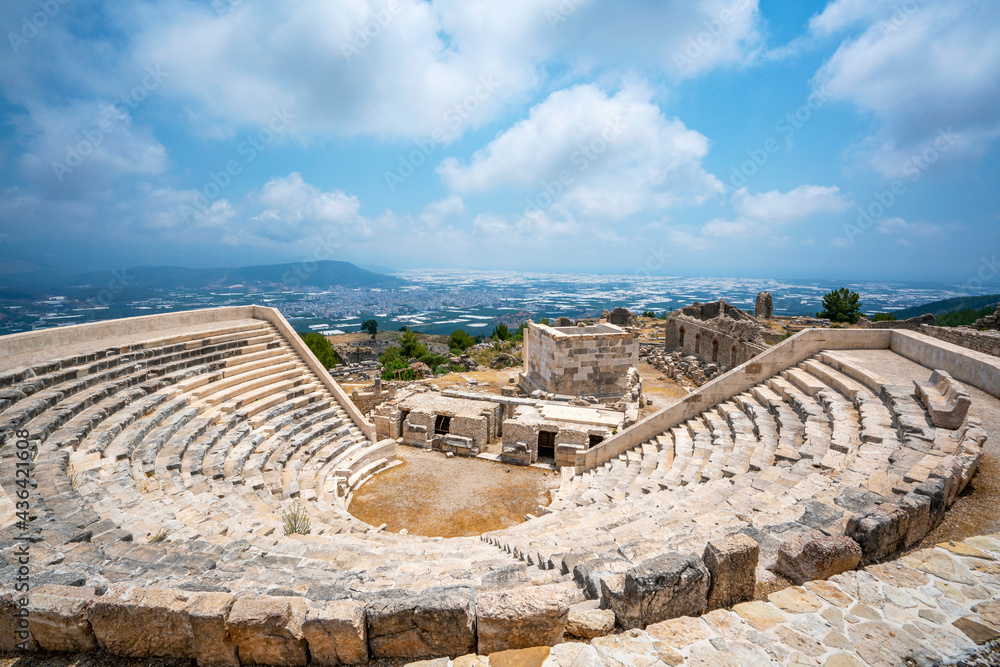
850,139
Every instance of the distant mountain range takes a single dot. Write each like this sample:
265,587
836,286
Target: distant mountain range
316,274
938,308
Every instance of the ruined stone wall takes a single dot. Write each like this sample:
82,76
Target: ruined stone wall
594,362
520,440
912,324
705,340
987,342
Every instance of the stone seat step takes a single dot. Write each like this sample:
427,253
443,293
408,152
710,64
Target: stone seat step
809,384
245,386
853,369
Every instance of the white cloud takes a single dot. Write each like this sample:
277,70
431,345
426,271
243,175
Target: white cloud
438,211
294,209
602,157
926,71
778,208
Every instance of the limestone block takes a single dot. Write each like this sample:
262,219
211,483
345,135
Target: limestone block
880,533
732,563
523,617
268,630
213,645
659,588
60,623
586,621
801,559
439,621
143,622
337,632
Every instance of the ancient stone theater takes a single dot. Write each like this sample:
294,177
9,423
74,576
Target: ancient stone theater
156,474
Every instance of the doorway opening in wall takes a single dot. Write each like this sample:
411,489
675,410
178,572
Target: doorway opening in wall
442,425
403,414
595,440
546,447
715,351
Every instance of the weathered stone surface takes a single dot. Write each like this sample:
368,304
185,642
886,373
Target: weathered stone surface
830,592
61,624
14,625
439,621
208,613
336,632
679,632
524,657
880,533
470,660
801,559
523,617
795,600
760,615
268,630
878,643
941,565
659,588
764,309
143,622
732,563
588,623
989,612
571,655
629,649
976,631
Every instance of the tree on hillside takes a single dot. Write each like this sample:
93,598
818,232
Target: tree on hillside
371,326
501,332
841,305
459,341
321,347
410,345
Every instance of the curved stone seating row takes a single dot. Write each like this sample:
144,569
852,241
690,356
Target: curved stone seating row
810,456
207,442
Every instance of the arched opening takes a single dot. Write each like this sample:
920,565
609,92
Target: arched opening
715,351
680,339
732,357
697,344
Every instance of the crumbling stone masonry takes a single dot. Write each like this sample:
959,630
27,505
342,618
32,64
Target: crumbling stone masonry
448,424
579,361
717,332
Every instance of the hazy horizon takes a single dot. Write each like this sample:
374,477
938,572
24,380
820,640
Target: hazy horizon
824,139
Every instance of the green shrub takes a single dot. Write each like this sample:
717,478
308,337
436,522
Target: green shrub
371,326
500,332
459,341
841,305
321,347
964,317
883,317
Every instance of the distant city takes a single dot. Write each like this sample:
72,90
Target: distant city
441,301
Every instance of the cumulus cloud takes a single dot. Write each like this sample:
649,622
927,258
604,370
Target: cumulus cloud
762,215
927,71
602,157
294,208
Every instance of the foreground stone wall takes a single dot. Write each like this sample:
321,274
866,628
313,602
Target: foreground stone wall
579,361
932,607
987,342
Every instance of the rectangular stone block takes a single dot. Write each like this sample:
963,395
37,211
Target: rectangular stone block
213,646
60,623
660,588
143,622
524,617
337,632
732,563
437,622
268,630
